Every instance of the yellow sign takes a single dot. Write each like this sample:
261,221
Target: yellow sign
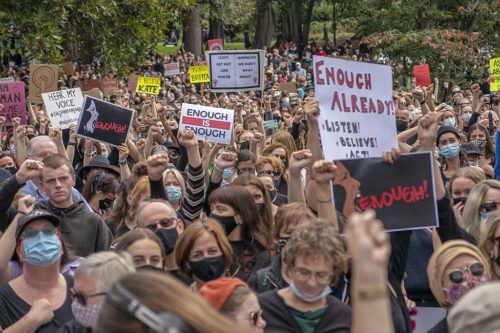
495,74
198,74
148,85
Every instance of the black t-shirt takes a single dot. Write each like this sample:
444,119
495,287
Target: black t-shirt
13,308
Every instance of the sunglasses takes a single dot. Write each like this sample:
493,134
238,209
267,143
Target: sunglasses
254,317
164,224
458,276
32,232
274,173
81,298
489,206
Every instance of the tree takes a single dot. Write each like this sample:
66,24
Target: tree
265,23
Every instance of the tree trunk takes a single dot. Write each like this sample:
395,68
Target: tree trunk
307,22
215,24
265,25
291,21
191,37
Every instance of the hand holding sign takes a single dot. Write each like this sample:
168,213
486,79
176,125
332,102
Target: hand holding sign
187,138
156,165
391,156
72,133
299,160
123,153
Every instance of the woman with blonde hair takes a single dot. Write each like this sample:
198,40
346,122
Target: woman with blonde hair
460,185
270,166
286,139
162,304
489,243
454,269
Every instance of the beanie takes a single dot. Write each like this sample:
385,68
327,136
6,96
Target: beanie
216,292
447,129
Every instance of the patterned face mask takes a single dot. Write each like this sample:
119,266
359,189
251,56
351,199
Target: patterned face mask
86,314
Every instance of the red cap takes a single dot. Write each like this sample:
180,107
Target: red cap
216,292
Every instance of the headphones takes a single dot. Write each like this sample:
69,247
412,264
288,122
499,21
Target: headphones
163,322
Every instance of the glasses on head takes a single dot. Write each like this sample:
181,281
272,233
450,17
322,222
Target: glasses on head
321,277
489,206
269,173
32,232
254,317
249,170
164,224
82,298
458,276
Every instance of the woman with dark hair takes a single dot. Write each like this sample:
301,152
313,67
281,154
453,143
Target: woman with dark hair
234,207
448,141
279,151
100,191
271,166
145,248
478,135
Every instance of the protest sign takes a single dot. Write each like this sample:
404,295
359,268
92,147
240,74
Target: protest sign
7,79
42,79
86,85
290,87
103,121
63,106
171,69
132,82
13,98
148,85
495,74
109,86
68,68
214,123
96,92
198,74
357,116
427,317
215,45
236,70
402,194
422,75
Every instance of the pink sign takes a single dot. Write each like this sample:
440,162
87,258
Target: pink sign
13,98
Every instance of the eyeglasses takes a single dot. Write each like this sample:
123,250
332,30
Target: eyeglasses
264,173
81,298
458,276
489,206
254,317
32,232
164,224
321,277
249,170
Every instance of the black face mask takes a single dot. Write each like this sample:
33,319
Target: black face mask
105,204
174,161
245,145
272,195
168,237
30,136
227,222
401,126
262,208
459,199
150,268
12,170
208,269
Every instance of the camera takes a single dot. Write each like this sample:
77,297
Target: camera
494,99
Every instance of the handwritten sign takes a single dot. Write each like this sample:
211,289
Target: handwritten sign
422,75
495,74
13,98
42,79
7,79
213,123
63,107
402,194
236,70
357,117
171,69
103,121
148,85
198,74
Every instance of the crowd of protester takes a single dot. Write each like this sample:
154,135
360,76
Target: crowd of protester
166,233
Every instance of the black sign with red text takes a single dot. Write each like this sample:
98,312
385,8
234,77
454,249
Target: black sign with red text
103,121
402,194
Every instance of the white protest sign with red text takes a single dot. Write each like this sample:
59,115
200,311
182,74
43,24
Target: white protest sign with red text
357,117
213,123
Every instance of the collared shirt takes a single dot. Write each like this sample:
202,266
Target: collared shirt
31,189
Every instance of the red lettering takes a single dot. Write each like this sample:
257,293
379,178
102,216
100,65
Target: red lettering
330,75
406,194
368,81
319,80
340,77
359,81
380,106
344,103
362,100
336,101
354,103
350,83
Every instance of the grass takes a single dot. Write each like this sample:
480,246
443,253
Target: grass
173,49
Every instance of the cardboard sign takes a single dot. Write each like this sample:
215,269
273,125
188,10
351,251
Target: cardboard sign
171,69
422,75
357,116
68,68
96,93
495,74
213,123
86,85
42,78
198,74
132,82
291,87
105,122
148,85
215,45
109,86
13,98
236,70
402,194
63,107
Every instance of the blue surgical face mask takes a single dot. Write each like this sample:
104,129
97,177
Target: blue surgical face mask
450,151
42,250
228,172
473,164
174,193
296,291
450,122
466,116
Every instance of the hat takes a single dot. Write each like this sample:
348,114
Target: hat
171,145
447,129
471,148
100,162
216,292
477,311
36,214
